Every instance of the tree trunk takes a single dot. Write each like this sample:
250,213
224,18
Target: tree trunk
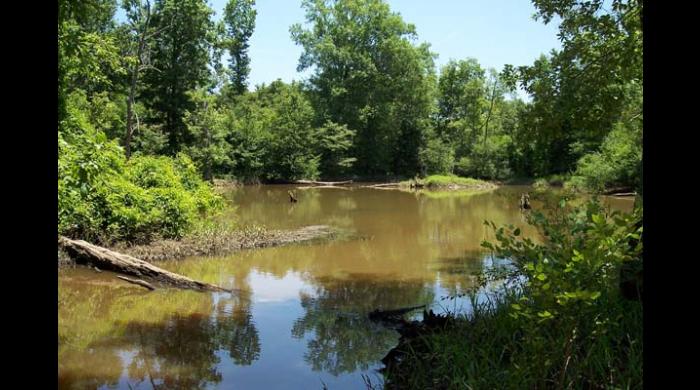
130,113
93,255
134,80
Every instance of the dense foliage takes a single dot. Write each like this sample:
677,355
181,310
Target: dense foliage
102,196
563,322
374,105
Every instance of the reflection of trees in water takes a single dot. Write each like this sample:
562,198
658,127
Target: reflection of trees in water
181,352
104,369
164,350
177,354
344,340
239,336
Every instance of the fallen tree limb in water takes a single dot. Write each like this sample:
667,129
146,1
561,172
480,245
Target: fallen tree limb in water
92,255
410,331
383,185
619,191
323,183
324,187
137,282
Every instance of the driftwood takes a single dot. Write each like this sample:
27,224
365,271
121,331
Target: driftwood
619,191
383,185
525,201
93,255
138,282
377,315
323,183
292,198
324,187
410,331
623,194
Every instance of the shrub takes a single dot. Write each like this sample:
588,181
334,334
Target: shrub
564,325
102,197
541,185
437,157
617,163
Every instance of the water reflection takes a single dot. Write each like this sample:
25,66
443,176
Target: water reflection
301,315
344,340
111,336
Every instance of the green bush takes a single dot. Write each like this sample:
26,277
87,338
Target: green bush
617,163
102,197
487,160
541,185
437,157
562,324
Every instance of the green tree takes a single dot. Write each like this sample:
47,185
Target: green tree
209,148
88,55
179,59
461,102
579,92
370,77
140,34
239,18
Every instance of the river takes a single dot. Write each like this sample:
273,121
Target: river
299,318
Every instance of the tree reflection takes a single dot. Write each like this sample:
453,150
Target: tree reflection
164,341
344,340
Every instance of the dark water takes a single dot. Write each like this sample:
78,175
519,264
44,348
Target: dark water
300,319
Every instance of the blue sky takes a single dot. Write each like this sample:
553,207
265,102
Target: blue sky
495,32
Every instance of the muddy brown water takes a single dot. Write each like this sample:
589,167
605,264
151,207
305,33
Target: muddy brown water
300,319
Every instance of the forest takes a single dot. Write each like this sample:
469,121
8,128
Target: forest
167,152
149,111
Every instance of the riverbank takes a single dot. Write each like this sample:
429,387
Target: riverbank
447,182
216,243
576,321
492,349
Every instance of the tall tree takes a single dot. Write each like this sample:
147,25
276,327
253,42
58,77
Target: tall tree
179,59
209,148
141,33
579,92
461,103
239,19
88,55
371,77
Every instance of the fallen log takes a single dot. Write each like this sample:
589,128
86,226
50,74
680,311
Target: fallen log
377,314
323,183
624,194
137,282
383,185
324,187
92,255
618,190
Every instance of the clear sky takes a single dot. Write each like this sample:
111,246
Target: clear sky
495,32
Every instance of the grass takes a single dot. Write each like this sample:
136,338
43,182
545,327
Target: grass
566,326
443,181
493,350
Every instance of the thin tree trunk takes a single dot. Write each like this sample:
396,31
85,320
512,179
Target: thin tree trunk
207,136
488,117
134,81
130,113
